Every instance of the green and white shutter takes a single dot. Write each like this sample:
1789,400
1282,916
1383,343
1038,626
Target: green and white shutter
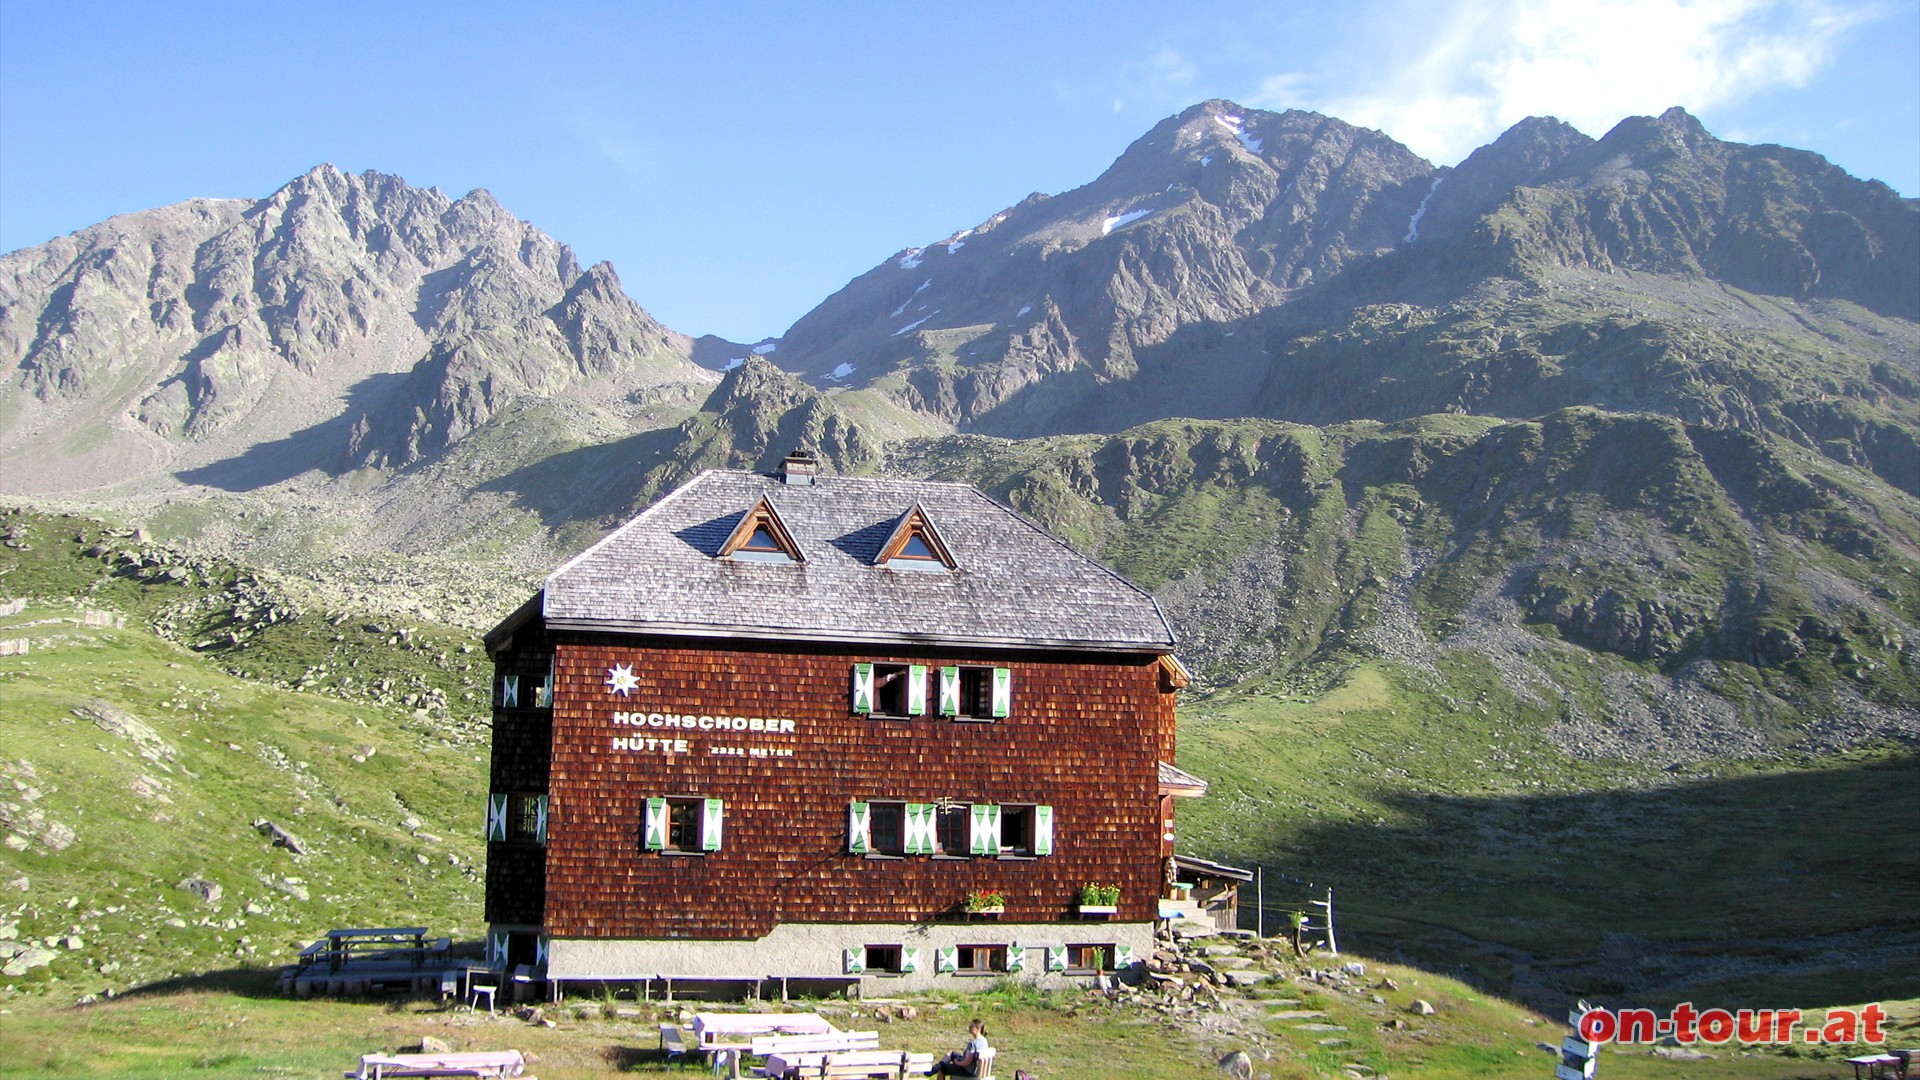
509,691
1043,830
496,816
654,834
983,829
949,691
947,959
1056,958
857,818
540,951
917,690
921,830
910,960
540,818
710,816
853,961
1016,958
1122,957
863,688
496,948
1002,692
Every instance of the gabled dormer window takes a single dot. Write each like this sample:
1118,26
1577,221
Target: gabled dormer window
915,544
761,537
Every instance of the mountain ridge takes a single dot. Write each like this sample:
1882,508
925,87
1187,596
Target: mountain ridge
1382,322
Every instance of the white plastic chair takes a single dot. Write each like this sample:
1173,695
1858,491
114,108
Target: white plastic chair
476,988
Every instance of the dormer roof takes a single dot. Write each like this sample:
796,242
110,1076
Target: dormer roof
761,534
1011,583
915,540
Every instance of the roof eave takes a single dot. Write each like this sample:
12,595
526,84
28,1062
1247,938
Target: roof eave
777,634
520,617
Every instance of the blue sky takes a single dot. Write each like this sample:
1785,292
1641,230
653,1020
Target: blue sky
739,162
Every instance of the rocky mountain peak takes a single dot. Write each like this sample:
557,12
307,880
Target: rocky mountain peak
193,332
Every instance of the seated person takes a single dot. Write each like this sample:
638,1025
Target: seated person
966,1062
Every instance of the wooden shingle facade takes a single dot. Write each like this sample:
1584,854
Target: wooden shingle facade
807,727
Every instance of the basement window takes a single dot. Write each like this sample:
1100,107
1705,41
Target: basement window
883,958
1085,959
980,959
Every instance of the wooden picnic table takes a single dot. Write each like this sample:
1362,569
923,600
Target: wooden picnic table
735,1031
1876,1066
889,1064
480,1063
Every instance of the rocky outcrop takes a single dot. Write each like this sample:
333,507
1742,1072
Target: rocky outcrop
199,332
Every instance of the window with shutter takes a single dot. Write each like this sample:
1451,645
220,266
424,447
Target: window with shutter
887,829
710,825
898,690
917,690
857,828
951,828
949,691
497,816
1043,830
947,959
1016,830
981,693
983,833
920,829
863,688
654,833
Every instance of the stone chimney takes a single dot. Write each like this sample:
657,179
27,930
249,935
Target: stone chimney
800,468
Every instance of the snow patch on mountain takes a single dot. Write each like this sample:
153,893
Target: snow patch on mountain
909,300
733,363
1232,123
1024,308
840,373
915,323
1413,223
764,348
911,259
1121,220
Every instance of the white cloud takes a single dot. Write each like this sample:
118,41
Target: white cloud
632,156
1465,72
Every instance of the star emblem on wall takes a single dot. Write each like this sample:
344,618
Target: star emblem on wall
621,679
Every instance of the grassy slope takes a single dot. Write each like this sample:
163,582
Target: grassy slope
1460,837
239,1029
392,838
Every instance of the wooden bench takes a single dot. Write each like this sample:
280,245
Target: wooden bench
832,1042
848,1065
483,1063
673,1042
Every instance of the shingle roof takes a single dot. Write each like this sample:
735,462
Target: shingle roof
1015,584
